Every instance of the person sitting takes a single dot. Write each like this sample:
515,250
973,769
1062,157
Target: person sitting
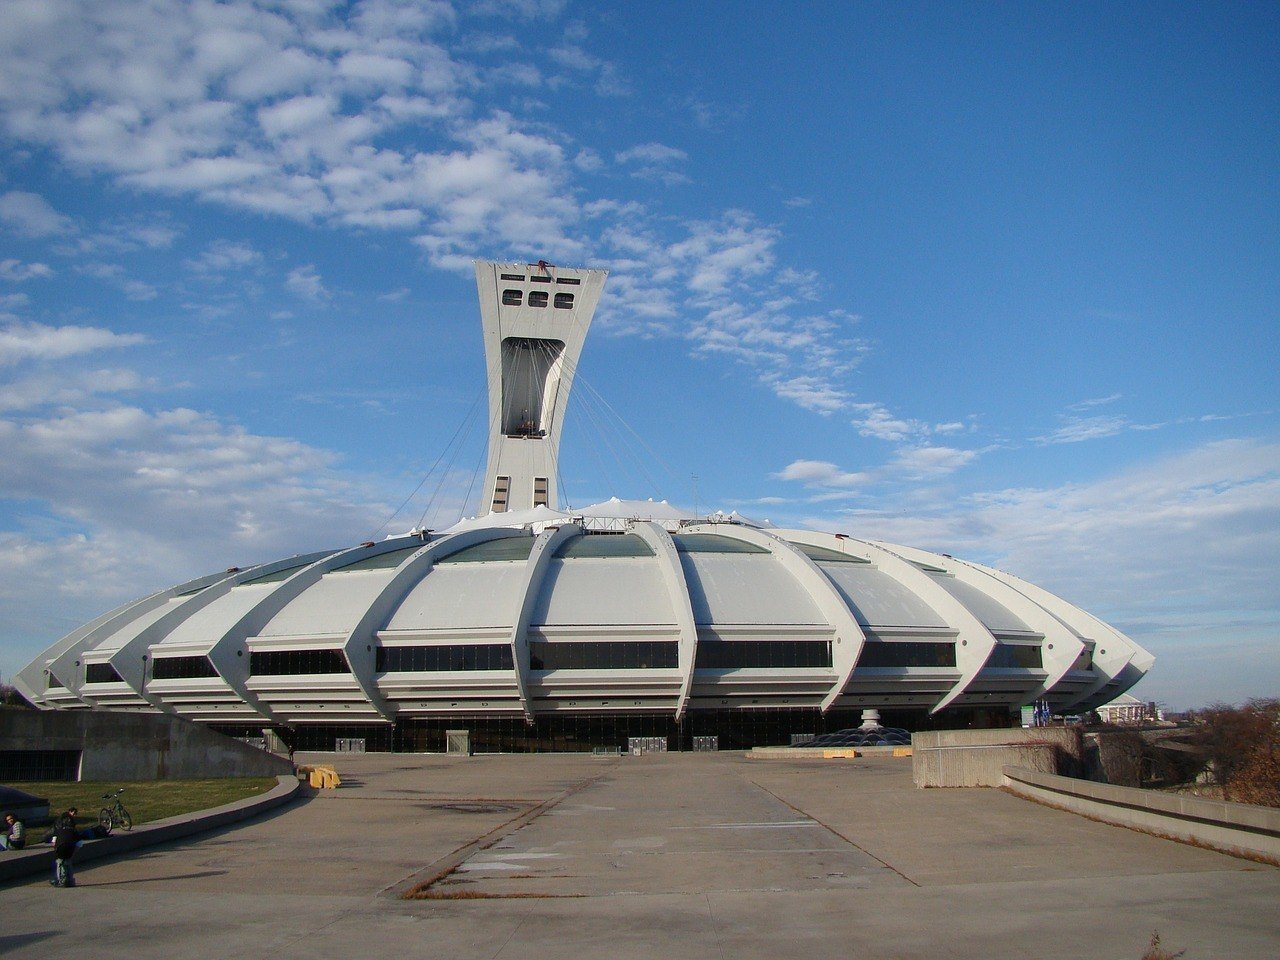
14,836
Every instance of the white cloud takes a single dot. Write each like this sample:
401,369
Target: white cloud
21,342
1079,429
821,473
224,255
306,283
30,215
651,153
15,271
65,388
927,461
1096,402
875,420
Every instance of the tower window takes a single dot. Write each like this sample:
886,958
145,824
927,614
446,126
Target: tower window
537,298
539,491
512,298
573,280
501,488
513,276
564,301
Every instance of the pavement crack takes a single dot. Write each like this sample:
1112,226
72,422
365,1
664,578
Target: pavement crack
826,826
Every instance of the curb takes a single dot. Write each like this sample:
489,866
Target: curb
18,864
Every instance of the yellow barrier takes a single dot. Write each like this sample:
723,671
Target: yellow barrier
321,777
902,751
840,754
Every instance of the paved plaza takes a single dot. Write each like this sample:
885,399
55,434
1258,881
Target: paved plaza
671,856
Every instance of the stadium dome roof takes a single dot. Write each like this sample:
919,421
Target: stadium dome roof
622,607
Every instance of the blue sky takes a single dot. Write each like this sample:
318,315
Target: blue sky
999,282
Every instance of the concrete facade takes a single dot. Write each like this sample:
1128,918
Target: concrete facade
120,746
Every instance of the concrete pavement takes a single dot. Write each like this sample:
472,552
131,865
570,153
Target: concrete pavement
683,855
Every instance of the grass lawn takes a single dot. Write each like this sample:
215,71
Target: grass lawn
146,800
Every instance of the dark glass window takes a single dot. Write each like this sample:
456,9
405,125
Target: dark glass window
475,656
274,663
537,279
276,577
538,298
620,655
18,766
512,298
383,561
910,654
826,555
573,280
181,668
564,301
604,545
761,654
513,276
713,543
101,673
1010,655
504,548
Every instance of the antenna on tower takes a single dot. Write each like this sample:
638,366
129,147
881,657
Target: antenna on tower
694,477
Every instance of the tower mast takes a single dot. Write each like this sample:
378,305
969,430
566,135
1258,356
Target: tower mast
535,319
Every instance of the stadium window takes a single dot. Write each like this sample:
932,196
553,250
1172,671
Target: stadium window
101,673
1015,656
512,298
538,298
297,662
564,301
761,654
181,668
876,653
444,657
619,655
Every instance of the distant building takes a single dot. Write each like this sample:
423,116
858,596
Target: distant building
1127,709
536,626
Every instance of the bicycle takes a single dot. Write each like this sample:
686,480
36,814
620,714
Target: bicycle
115,815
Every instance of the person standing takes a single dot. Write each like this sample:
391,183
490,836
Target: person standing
14,836
65,840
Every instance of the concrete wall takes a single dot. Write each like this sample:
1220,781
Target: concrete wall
977,758
1237,828
128,746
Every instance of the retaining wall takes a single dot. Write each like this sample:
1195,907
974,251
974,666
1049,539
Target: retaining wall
137,746
1237,828
977,758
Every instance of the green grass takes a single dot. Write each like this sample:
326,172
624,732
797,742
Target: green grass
146,800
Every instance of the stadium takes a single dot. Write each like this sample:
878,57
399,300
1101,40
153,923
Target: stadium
536,628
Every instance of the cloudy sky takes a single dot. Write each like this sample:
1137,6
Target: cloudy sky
997,281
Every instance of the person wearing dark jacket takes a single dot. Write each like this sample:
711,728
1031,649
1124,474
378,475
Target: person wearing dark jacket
65,840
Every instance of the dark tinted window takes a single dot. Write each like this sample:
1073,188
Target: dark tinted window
622,655
181,668
537,298
294,662
101,673
1008,655
911,654
564,301
512,298
487,656
762,654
